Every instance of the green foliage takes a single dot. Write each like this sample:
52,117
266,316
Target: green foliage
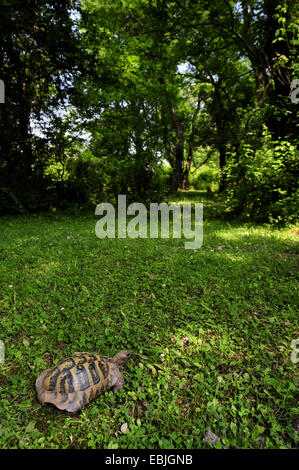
151,82
206,176
162,178
85,179
38,47
262,185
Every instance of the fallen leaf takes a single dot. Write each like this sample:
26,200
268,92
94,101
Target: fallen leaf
124,428
139,411
211,438
185,340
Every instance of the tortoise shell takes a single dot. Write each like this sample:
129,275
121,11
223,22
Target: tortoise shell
76,381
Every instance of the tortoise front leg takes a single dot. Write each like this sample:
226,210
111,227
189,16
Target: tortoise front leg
120,382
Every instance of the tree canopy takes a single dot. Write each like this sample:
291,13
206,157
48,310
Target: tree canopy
135,97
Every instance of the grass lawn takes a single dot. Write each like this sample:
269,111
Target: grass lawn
210,331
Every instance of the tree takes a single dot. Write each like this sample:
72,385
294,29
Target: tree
38,57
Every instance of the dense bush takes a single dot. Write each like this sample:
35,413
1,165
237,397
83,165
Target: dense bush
262,185
86,181
94,179
32,194
208,177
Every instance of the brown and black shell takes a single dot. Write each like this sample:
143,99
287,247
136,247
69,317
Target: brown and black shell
76,380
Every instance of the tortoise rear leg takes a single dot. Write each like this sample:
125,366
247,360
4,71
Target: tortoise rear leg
120,382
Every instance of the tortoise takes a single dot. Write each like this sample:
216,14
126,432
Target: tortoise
77,380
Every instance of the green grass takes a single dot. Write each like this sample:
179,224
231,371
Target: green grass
210,332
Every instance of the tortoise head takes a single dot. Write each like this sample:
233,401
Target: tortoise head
122,357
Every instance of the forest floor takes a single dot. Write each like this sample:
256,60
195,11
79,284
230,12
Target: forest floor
210,330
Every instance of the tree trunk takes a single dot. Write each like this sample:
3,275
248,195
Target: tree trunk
167,145
222,162
177,175
185,182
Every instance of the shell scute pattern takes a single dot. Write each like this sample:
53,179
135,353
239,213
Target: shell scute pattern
77,380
